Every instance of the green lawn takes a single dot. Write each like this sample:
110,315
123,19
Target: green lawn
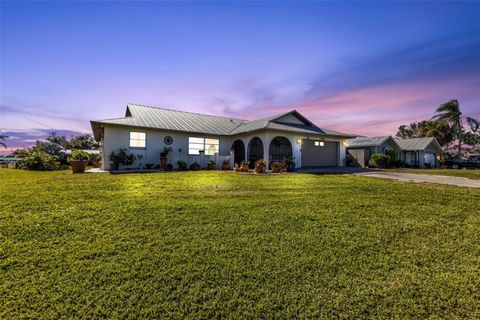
463,173
224,245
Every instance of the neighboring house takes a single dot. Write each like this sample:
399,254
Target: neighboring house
415,152
194,137
362,148
420,152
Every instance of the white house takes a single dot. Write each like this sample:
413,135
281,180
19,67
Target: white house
194,137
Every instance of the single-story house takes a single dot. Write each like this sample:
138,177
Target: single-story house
414,152
195,137
420,152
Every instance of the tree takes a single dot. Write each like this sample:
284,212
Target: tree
2,141
441,130
450,113
60,140
85,142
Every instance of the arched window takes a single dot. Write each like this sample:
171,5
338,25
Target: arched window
280,148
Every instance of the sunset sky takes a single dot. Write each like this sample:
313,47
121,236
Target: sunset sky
359,67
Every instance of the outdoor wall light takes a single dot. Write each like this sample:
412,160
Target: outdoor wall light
299,141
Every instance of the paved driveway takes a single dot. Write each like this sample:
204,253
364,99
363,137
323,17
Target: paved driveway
400,176
419,178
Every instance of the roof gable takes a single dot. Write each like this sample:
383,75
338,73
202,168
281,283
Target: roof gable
168,119
418,144
370,141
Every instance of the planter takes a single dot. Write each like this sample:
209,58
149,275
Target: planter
78,166
163,161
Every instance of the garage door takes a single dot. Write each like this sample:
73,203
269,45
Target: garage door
317,153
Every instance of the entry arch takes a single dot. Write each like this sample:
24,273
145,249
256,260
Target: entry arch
255,151
280,148
238,148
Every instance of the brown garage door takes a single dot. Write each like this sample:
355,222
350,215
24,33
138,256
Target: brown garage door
316,155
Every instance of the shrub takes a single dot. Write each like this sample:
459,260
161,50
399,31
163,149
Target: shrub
149,165
122,157
276,166
195,166
79,155
95,158
182,165
290,163
378,160
211,165
226,164
38,160
244,166
260,166
168,167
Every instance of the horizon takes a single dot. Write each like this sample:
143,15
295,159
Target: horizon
359,68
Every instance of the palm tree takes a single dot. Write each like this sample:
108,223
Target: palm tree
2,139
450,113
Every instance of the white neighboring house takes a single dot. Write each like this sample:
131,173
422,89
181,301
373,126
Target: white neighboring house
194,137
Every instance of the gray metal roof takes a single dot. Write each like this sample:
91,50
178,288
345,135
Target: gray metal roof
162,118
417,144
367,141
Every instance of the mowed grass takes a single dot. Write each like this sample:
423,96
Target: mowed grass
462,173
209,245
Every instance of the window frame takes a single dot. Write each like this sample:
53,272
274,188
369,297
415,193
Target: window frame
130,140
203,145
319,143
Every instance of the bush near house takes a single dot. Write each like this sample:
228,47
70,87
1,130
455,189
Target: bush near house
211,165
182,165
379,160
195,166
260,166
38,160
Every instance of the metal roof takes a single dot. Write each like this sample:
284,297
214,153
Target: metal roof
367,141
418,143
168,119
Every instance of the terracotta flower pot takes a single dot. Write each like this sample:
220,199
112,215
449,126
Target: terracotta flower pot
78,166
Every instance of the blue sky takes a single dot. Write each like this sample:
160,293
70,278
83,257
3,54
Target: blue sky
361,67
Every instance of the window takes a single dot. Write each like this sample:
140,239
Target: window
319,143
138,139
210,146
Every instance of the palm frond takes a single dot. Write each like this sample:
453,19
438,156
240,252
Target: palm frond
473,123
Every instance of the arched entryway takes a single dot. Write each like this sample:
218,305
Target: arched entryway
255,151
280,148
238,148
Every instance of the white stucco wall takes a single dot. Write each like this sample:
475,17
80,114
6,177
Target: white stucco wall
118,137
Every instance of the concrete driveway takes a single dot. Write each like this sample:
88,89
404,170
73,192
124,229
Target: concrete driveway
400,176
420,178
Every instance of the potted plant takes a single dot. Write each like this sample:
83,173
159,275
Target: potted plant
79,161
168,167
290,162
226,164
276,166
121,158
182,165
96,159
163,155
195,166
211,165
260,166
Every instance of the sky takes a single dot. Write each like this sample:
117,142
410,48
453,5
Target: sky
357,67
